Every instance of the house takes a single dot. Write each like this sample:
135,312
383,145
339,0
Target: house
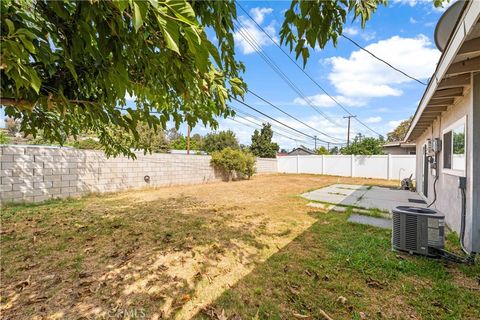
446,125
301,151
399,147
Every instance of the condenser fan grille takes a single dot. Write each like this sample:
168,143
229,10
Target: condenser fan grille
411,232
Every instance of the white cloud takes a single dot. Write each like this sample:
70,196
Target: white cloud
394,123
412,20
324,101
350,31
411,3
253,34
368,35
259,14
383,110
373,119
362,76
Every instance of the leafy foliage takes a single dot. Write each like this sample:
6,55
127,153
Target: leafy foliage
88,144
313,23
4,138
399,133
68,66
322,151
217,141
234,162
365,146
262,145
150,139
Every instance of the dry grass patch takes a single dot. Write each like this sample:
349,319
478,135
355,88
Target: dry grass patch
163,253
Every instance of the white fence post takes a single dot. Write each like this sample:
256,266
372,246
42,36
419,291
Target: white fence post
298,164
389,166
323,164
352,164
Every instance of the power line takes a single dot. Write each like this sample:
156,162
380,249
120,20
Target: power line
286,113
280,134
251,40
301,69
283,124
385,62
261,121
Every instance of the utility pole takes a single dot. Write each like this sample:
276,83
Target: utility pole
328,146
188,139
348,130
315,142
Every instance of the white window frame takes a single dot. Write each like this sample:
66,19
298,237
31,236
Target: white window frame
451,127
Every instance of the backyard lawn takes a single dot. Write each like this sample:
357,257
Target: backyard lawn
240,250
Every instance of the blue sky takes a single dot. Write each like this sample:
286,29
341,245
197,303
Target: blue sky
401,33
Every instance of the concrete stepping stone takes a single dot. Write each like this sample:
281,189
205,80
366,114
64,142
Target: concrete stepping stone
371,221
327,207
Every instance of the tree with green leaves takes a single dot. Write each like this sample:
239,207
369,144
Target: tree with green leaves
365,146
181,143
70,66
151,139
217,141
399,133
262,145
322,151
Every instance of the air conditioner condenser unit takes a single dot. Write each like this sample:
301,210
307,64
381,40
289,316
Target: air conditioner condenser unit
418,230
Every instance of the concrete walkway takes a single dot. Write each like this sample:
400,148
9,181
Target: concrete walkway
369,197
371,221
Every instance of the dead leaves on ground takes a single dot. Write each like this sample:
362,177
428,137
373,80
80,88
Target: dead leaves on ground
214,314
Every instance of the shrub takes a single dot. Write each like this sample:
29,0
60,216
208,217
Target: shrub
88,143
4,138
234,162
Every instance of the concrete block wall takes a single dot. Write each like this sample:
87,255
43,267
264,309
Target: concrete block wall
34,173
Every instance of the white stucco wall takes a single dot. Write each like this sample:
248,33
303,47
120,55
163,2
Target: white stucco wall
448,194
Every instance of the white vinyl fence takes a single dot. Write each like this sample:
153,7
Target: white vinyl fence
392,167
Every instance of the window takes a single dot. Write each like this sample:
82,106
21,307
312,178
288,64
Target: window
454,145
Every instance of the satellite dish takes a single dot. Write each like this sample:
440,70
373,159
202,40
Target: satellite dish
445,25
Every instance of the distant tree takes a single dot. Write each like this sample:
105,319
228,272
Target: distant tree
262,145
181,144
173,134
334,150
322,150
12,126
399,133
151,139
197,139
217,141
283,150
365,146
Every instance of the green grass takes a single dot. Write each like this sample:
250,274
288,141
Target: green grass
335,258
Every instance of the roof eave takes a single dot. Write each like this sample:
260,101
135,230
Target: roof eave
468,20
